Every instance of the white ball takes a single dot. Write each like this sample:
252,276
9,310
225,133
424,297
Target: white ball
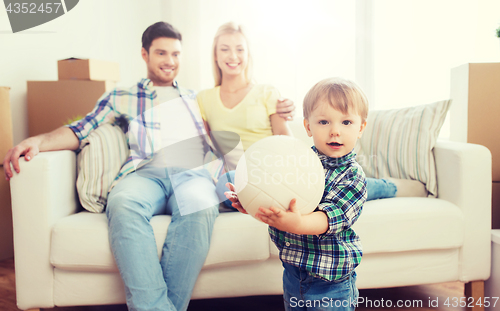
277,169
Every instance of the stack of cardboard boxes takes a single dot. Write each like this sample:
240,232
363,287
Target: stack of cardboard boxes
52,104
475,90
6,241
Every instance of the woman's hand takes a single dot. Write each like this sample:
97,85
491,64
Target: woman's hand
233,197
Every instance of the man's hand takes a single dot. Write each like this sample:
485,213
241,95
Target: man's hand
289,221
233,197
285,108
62,138
28,147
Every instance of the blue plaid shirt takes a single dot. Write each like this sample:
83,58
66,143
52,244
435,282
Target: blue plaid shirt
336,253
136,104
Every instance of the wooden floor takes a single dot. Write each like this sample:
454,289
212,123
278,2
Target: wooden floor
415,297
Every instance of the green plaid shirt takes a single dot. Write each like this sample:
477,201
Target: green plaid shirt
336,253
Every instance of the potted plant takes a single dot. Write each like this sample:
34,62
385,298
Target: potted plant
498,32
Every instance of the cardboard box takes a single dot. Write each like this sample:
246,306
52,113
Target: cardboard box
6,235
5,122
495,206
476,106
52,103
88,69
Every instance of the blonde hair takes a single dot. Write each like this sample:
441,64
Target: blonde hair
341,94
229,28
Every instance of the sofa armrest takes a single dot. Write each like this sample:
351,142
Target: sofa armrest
43,192
464,179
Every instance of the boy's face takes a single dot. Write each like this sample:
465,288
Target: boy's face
163,60
333,132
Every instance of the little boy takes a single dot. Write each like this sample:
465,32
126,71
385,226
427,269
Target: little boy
320,251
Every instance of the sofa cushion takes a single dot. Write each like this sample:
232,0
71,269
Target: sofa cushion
406,224
80,241
104,151
398,143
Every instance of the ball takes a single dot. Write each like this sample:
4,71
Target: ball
277,169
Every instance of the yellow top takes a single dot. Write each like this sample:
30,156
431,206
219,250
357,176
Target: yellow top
249,118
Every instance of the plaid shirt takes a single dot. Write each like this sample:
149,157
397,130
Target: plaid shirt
334,254
136,103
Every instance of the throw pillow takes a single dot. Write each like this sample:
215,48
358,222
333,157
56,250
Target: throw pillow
398,143
104,152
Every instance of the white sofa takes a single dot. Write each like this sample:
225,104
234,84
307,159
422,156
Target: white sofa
62,258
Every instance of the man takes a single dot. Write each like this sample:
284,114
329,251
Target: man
140,191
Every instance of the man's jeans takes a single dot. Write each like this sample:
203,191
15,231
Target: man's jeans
375,188
150,283
301,291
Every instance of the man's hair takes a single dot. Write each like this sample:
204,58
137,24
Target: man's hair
341,94
158,30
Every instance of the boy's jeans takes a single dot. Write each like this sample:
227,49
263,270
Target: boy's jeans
302,291
375,188
150,283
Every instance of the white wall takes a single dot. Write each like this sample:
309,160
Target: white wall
410,46
106,30
417,43
401,52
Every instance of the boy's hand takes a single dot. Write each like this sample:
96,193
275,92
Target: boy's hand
233,197
289,221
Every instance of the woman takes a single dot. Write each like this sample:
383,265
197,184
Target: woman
237,105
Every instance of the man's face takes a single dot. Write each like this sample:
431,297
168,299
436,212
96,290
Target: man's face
163,60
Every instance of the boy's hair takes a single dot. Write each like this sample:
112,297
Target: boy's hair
229,28
158,30
341,94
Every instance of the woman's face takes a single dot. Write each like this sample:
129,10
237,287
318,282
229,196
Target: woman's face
231,54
